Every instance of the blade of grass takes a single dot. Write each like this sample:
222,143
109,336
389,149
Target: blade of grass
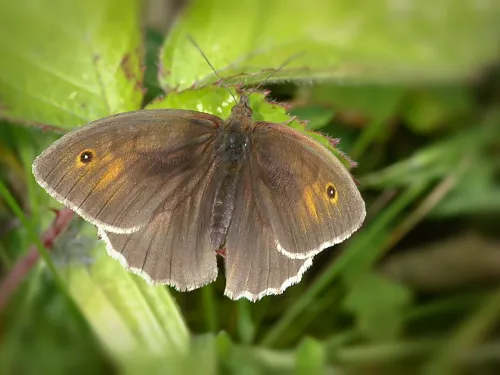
13,335
27,157
420,212
321,305
33,237
466,337
246,327
5,259
446,305
431,201
17,274
368,135
209,308
387,352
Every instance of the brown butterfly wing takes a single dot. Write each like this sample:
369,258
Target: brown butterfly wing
174,247
309,197
254,266
139,161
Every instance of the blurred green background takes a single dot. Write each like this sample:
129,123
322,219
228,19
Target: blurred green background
412,88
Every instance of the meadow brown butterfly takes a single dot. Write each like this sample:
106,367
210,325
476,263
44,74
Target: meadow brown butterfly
168,189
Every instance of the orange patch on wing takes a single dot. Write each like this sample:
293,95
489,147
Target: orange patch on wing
316,194
114,169
308,196
311,207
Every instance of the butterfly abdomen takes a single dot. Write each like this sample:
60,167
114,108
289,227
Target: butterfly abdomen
231,153
223,206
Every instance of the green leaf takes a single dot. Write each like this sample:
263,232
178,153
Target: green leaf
202,354
435,108
317,117
476,192
153,44
375,102
214,100
66,63
358,40
218,101
41,325
310,358
428,163
133,320
246,327
378,305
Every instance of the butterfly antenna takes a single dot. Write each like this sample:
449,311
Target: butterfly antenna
285,63
191,39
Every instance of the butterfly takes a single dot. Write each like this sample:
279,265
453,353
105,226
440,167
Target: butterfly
168,189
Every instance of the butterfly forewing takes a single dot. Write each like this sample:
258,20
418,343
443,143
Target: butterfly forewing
117,171
309,197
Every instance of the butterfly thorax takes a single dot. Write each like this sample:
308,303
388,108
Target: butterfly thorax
232,151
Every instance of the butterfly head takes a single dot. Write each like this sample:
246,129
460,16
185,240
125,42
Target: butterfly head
242,109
